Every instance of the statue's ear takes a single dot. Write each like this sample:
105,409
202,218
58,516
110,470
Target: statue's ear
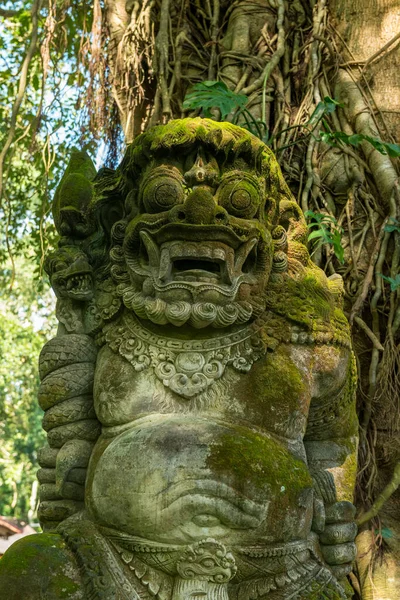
291,217
73,196
336,287
107,206
111,213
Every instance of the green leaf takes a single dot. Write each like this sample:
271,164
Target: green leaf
327,232
318,218
392,225
331,104
213,94
319,233
394,283
317,115
35,82
392,149
377,144
353,140
326,107
309,214
337,245
386,533
71,78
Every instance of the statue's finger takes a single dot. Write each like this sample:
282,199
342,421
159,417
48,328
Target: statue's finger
339,554
341,571
318,521
339,533
340,512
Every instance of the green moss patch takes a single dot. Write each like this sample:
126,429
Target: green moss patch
39,566
258,461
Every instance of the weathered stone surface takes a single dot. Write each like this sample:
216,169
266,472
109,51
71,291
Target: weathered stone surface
218,413
38,567
62,351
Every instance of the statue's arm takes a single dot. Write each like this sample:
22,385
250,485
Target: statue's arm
331,447
66,366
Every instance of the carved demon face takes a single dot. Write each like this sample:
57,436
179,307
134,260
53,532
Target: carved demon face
70,274
197,246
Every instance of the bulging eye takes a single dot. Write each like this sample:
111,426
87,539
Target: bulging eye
162,193
59,266
240,195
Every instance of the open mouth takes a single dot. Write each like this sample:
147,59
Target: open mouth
194,262
79,284
200,269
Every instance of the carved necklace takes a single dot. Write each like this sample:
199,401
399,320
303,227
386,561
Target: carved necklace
188,367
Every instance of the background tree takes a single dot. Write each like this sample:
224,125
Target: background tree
318,81
27,319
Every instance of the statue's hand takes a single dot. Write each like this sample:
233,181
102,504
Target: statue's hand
337,538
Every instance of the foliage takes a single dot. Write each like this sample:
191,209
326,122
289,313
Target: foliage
209,95
392,225
24,328
394,283
326,107
326,231
214,94
331,138
50,121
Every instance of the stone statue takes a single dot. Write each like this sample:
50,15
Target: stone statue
199,394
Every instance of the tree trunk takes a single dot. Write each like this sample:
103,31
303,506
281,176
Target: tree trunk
286,57
370,31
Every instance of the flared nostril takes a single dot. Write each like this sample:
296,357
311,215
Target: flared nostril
199,209
177,214
221,216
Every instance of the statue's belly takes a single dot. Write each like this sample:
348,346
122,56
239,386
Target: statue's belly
177,479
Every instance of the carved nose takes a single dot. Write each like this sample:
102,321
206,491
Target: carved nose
199,209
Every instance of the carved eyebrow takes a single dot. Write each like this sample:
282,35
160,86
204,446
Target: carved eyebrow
164,169
246,176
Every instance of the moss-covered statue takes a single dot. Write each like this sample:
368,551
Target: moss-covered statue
199,395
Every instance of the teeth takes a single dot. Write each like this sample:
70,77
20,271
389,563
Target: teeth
165,264
79,284
175,249
198,315
245,312
161,259
152,249
195,250
218,253
137,303
242,253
